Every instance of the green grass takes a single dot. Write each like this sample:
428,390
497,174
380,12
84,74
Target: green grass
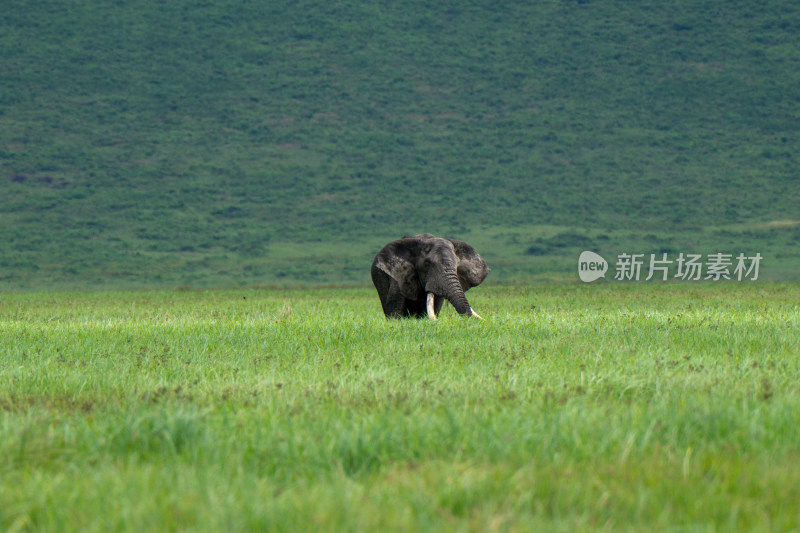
162,144
600,407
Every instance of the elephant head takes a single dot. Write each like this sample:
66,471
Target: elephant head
415,275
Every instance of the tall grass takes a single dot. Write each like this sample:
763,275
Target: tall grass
600,407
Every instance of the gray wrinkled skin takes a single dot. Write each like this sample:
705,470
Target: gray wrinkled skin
407,270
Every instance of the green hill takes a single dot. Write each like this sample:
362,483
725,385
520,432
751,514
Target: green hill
228,143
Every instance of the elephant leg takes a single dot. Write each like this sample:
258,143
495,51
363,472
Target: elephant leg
438,302
415,308
434,305
395,305
392,301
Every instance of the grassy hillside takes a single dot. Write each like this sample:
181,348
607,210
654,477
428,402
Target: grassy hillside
239,143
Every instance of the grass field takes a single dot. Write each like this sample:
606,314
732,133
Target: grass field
569,408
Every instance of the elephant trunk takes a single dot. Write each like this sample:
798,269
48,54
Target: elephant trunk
455,294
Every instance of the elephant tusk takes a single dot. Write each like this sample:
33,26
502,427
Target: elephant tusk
431,314
476,315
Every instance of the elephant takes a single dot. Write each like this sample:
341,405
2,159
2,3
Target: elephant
415,275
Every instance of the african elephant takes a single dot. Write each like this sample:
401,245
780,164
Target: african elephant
414,275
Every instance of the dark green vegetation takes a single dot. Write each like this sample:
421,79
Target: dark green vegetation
568,408
222,143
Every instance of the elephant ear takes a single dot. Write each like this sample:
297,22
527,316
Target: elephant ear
472,269
395,261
